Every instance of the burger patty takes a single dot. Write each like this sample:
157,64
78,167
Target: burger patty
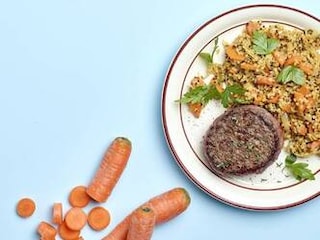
244,139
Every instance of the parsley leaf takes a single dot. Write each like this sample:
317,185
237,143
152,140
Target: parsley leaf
228,98
298,170
207,57
201,94
263,45
291,73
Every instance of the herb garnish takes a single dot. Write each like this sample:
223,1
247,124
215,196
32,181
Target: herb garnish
228,95
263,45
298,170
207,57
203,94
291,73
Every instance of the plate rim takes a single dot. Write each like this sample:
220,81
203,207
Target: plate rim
164,119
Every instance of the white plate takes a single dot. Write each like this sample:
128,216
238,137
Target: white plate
271,190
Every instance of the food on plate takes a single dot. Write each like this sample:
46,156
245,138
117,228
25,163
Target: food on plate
110,169
142,223
278,68
165,206
57,213
244,139
25,207
78,197
98,218
46,230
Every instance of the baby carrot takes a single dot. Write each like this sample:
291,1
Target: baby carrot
110,169
25,207
165,206
46,231
57,215
75,218
98,218
78,197
142,223
66,233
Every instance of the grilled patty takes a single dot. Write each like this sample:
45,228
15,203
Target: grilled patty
244,139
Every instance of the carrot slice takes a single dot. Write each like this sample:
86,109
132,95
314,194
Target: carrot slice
142,223
233,54
25,207
166,206
110,169
57,215
78,197
66,233
46,230
263,80
75,218
98,218
252,26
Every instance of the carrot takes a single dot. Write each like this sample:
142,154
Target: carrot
286,107
75,218
314,145
252,26
306,67
274,99
110,169
142,223
78,197
302,130
66,233
248,66
293,60
46,231
263,80
25,207
166,206
57,215
98,218
195,109
233,54
196,82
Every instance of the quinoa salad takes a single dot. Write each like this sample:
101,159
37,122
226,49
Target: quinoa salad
271,66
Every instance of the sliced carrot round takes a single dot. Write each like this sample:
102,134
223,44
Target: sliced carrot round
75,218
78,197
66,233
98,218
57,215
46,230
25,207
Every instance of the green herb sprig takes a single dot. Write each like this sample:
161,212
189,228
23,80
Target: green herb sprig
208,57
298,170
203,94
263,45
200,94
291,74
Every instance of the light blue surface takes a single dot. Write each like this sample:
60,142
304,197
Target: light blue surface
76,74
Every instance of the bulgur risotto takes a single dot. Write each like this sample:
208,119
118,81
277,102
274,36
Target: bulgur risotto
271,66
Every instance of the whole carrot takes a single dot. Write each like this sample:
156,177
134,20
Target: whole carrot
110,169
165,206
142,223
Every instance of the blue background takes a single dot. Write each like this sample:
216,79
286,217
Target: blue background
75,74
